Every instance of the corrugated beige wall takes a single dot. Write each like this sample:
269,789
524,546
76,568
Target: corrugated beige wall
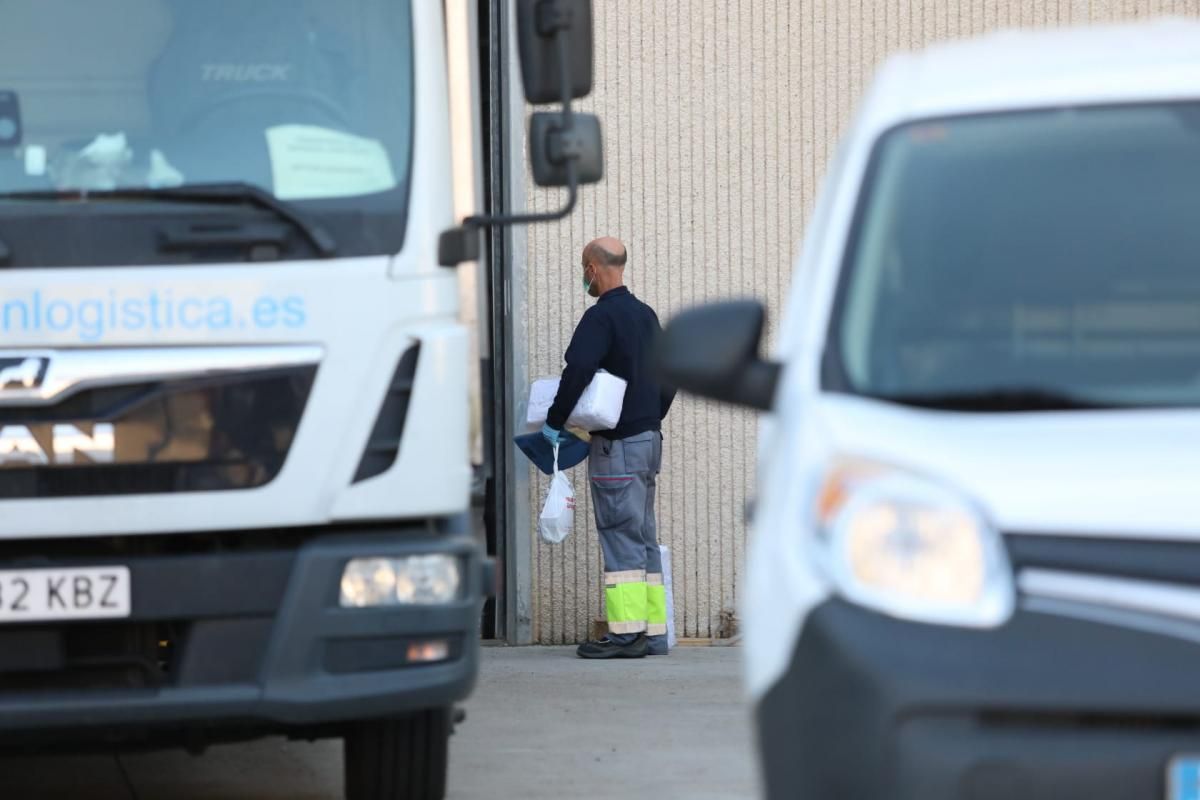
719,116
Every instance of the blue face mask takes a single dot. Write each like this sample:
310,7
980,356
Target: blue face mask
587,285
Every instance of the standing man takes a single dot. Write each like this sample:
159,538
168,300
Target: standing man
617,334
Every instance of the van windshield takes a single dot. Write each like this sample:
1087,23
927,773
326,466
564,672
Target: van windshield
1034,260
310,100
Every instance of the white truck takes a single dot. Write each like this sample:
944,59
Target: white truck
236,372
974,570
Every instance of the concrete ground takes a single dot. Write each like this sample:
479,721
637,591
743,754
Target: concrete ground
541,724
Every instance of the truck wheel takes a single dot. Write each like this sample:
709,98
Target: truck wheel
398,759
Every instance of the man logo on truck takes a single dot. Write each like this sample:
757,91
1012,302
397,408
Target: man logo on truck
21,447
21,373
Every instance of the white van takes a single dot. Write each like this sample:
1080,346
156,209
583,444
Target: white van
974,570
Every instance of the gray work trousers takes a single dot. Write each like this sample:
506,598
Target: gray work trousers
623,474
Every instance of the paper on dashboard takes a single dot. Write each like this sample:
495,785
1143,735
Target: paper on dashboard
310,162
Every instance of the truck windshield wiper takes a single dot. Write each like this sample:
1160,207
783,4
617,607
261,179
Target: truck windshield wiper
231,193
1000,399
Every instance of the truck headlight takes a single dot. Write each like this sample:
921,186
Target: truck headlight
410,580
912,548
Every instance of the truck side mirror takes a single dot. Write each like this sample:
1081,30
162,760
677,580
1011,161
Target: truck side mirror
712,351
555,40
552,148
539,25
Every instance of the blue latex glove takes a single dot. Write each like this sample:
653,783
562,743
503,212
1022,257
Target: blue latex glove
553,435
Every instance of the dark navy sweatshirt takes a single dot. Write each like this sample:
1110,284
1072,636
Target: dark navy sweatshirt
617,335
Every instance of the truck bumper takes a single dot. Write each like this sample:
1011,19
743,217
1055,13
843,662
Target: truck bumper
1043,708
249,639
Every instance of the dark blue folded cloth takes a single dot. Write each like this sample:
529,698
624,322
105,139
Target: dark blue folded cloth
571,450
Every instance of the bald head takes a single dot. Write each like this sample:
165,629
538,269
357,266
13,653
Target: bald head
606,251
603,265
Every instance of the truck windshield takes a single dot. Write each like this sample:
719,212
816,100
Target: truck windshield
1034,260
309,100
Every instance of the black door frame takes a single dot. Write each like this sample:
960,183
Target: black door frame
494,47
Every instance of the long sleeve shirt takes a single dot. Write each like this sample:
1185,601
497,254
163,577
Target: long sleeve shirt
617,335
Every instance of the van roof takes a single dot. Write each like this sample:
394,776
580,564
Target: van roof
1151,60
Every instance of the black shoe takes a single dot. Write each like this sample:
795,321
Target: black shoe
657,646
606,648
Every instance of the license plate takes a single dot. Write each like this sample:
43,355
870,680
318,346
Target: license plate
28,595
1183,778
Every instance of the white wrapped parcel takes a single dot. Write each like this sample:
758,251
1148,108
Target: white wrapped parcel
598,409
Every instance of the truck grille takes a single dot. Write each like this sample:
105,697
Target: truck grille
202,613
208,434
88,656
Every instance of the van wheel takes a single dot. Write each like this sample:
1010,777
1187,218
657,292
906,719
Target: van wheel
398,759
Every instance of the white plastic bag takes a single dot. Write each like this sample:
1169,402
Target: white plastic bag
598,409
558,514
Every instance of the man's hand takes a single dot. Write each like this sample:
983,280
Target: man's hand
552,435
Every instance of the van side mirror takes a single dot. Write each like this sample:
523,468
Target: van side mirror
713,351
540,24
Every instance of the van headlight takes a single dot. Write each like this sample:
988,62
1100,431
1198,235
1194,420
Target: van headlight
912,548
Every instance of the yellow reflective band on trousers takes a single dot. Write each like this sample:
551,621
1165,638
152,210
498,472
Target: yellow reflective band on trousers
625,598
656,602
